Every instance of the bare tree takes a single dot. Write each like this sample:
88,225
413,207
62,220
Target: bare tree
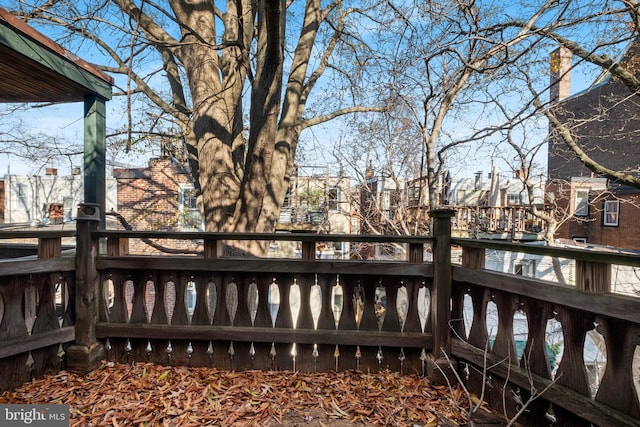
204,65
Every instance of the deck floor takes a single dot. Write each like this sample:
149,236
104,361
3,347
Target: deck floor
145,394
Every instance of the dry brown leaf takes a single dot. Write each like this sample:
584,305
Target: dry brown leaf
143,393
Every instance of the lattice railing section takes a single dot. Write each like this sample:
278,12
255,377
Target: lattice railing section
506,328
235,320
36,323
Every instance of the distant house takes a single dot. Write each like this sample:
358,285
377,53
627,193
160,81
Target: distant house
162,196
46,199
604,120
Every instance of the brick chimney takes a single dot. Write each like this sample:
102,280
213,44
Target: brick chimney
560,72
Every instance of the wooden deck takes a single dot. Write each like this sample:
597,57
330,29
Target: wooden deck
316,315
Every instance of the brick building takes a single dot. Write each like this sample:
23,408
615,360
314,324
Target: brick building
603,120
160,197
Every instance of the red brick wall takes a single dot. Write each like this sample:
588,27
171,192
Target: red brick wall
148,200
626,235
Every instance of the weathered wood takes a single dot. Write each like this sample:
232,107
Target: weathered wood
606,257
617,388
13,369
86,353
441,297
562,397
265,335
263,266
18,267
535,359
289,237
593,276
117,246
46,359
213,248
50,247
607,305
308,251
25,343
572,372
473,257
504,347
415,253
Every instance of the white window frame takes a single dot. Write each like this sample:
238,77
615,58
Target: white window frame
514,199
611,207
581,202
526,268
333,204
184,210
22,196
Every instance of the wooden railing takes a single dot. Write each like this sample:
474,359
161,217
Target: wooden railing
308,314
587,306
36,307
315,315
511,221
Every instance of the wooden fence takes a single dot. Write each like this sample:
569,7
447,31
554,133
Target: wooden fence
314,314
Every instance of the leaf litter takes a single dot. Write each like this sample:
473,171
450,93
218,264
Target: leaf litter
146,394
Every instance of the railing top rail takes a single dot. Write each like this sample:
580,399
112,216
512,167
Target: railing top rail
45,234
300,237
600,256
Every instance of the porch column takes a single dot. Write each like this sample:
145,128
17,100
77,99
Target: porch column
86,352
441,298
95,143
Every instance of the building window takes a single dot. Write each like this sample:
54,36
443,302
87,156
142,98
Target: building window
514,199
413,195
526,267
190,216
67,202
581,202
22,195
579,239
611,213
333,199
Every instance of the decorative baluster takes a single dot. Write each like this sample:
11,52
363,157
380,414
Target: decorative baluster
150,298
380,307
315,304
295,300
189,352
424,311
337,303
148,349
107,348
231,300
169,350
127,350
170,299
252,304
274,306
402,308
210,353
212,300
358,310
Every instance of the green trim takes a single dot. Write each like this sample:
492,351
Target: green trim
95,152
65,68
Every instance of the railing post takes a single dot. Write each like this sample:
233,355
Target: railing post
308,251
50,247
86,352
441,297
593,276
212,249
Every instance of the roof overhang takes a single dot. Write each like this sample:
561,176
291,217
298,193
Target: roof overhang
33,68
